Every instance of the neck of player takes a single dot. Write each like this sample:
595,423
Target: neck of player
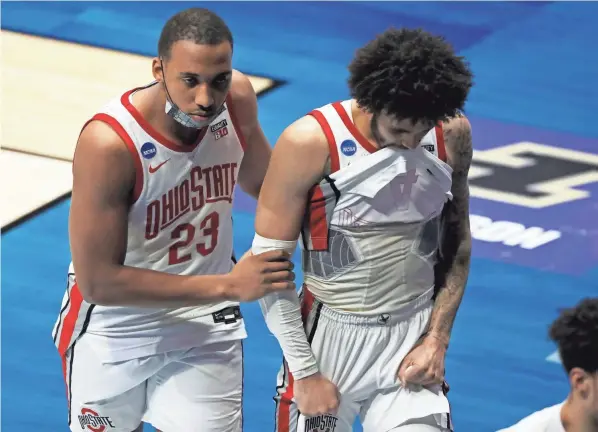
575,417
363,122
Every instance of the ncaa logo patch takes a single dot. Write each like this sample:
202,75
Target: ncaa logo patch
348,147
148,150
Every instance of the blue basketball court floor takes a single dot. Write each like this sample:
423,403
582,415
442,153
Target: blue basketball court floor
534,185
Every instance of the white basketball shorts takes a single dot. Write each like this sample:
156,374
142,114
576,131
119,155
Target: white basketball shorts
361,356
192,390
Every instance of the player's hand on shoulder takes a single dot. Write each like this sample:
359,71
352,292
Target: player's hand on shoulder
316,395
255,276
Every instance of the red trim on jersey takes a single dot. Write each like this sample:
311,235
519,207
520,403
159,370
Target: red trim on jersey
70,320
68,329
440,142
149,129
235,120
65,376
317,222
122,133
353,129
284,409
332,147
286,400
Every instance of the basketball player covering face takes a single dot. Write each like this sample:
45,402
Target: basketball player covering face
376,188
150,328
575,332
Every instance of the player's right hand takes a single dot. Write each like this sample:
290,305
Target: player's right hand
316,395
255,276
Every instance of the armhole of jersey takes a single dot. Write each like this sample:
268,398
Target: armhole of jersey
333,150
122,133
236,125
440,142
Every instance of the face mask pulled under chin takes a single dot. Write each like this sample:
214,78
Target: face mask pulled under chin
178,115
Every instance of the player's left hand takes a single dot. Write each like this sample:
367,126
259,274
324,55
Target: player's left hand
424,365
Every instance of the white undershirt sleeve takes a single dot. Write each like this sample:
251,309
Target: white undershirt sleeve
282,313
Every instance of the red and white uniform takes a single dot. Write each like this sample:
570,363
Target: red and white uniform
370,241
179,222
372,228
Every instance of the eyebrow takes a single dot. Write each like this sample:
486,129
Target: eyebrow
196,75
399,130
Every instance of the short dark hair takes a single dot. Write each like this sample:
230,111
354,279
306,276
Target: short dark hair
198,25
410,74
575,332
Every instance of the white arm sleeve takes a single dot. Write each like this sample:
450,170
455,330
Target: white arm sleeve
283,317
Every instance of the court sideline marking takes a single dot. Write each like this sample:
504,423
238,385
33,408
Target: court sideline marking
47,98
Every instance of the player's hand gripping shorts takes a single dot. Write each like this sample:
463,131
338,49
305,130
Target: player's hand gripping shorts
362,356
193,390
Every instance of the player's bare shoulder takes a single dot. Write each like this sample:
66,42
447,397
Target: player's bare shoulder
305,140
101,155
244,100
299,160
99,139
458,142
241,89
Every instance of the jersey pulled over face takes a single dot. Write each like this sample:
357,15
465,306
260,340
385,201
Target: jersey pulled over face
371,231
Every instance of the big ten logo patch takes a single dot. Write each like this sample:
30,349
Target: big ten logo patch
321,423
348,147
148,150
92,421
219,129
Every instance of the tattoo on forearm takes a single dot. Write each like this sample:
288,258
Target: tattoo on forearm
452,269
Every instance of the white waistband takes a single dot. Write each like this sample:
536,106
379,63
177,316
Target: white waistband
405,311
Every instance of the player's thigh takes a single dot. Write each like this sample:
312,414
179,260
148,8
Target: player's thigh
103,396
289,419
200,390
431,423
393,407
341,421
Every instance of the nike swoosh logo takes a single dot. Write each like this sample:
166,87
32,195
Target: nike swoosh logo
157,167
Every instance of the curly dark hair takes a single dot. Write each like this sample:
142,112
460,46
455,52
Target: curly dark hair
410,74
575,332
198,25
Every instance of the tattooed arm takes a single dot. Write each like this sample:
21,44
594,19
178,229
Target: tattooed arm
453,267
425,362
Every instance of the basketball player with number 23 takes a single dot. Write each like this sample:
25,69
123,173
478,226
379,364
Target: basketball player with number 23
150,328
375,189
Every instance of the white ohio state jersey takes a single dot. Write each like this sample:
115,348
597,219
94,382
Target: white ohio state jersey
372,228
179,222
